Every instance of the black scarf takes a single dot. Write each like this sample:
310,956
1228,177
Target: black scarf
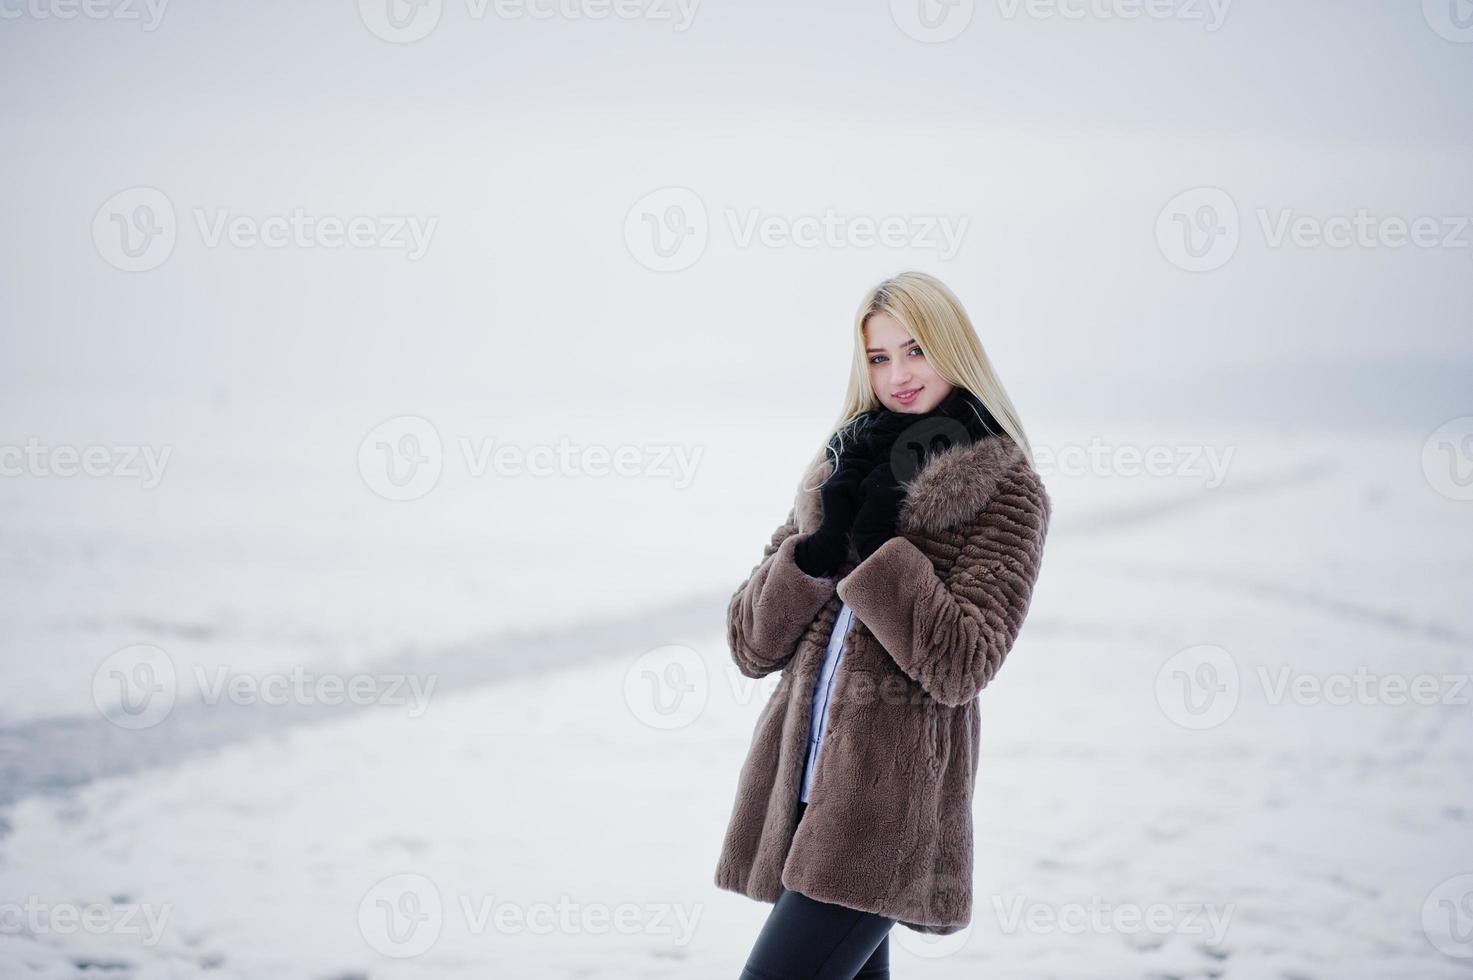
964,407
959,418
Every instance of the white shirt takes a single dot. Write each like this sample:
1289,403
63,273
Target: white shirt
822,688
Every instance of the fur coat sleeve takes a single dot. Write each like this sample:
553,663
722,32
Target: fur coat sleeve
770,611
951,634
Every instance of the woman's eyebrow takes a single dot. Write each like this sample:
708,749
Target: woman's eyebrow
881,350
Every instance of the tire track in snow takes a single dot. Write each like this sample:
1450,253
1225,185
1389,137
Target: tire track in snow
54,756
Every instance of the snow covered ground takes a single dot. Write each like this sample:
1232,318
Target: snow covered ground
1233,741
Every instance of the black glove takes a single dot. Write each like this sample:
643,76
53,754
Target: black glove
878,514
821,553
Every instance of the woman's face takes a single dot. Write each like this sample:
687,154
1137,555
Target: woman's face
902,378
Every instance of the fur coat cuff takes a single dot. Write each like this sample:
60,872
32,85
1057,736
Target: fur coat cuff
770,612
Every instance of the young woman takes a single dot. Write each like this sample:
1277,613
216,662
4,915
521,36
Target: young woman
888,599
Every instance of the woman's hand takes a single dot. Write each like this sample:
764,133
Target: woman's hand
871,448
880,510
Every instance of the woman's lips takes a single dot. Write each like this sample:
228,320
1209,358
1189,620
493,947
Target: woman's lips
907,396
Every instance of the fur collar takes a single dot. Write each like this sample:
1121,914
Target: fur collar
953,486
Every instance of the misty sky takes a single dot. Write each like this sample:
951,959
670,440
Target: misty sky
1052,143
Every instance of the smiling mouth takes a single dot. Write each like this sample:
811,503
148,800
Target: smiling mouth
907,394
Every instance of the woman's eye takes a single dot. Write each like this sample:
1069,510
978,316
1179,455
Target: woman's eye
915,350
878,358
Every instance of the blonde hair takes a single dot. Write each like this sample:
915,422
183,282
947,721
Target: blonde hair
935,318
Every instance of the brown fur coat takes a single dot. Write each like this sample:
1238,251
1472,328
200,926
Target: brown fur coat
888,827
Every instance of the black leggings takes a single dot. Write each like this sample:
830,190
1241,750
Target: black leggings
804,939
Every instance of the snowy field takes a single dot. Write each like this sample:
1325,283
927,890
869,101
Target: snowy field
1234,741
